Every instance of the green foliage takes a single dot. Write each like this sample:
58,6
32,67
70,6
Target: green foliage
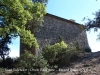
27,57
57,54
74,52
4,49
94,23
9,62
77,47
31,63
41,1
50,52
15,14
78,53
60,54
87,49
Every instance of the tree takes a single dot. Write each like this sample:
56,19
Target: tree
95,23
4,49
33,24
31,63
15,14
41,1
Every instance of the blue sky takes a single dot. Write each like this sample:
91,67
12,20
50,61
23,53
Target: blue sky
70,9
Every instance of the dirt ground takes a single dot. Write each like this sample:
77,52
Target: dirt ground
89,64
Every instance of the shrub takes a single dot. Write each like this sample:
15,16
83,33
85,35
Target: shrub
88,49
60,54
75,53
9,62
78,53
57,54
31,64
63,58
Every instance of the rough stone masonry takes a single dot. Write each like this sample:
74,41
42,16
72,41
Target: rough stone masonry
56,28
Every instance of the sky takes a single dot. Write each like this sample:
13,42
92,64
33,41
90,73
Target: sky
70,9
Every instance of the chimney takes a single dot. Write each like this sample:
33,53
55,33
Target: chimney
72,20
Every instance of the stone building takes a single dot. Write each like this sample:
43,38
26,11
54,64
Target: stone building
56,28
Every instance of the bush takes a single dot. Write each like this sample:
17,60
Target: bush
31,64
9,62
88,49
58,54
75,53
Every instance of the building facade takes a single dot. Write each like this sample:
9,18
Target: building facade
56,28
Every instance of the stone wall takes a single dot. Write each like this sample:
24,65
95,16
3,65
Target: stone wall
55,28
